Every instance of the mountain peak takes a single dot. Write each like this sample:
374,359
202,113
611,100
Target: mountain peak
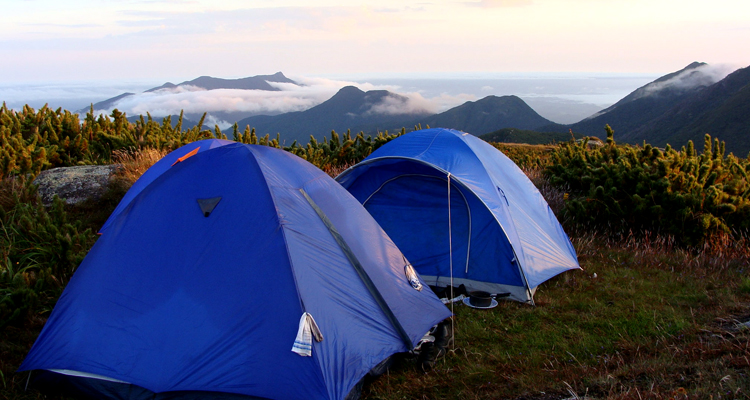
670,87
347,94
488,115
681,106
350,90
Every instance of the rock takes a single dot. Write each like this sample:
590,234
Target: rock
75,184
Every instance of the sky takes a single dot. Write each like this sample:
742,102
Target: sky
173,40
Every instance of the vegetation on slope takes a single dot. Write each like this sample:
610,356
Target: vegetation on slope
682,194
513,135
657,312
31,141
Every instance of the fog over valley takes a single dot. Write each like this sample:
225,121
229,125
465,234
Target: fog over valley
562,98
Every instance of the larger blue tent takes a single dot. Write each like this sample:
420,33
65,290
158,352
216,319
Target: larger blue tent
462,212
238,270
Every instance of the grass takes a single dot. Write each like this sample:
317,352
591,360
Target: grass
135,163
650,324
745,285
642,320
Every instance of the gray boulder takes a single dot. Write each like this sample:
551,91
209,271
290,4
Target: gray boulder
75,184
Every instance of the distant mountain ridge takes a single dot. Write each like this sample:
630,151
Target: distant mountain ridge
642,105
351,108
257,82
722,110
488,115
677,107
690,78
681,106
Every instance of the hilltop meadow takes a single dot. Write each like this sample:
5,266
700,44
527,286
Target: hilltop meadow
661,309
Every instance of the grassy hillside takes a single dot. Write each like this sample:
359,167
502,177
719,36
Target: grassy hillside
651,316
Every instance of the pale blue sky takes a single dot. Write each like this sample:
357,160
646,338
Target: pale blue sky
54,40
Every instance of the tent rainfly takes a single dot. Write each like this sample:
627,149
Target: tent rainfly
462,213
233,271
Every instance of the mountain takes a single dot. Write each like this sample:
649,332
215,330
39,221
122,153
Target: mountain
350,108
106,104
380,110
488,115
722,110
258,82
644,104
681,106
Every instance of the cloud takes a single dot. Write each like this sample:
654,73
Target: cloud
67,26
416,103
411,103
703,75
308,93
195,100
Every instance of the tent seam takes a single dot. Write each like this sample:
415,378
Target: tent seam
283,229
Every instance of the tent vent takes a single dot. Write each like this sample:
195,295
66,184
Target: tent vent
208,205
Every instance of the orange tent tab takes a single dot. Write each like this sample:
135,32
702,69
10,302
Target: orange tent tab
186,156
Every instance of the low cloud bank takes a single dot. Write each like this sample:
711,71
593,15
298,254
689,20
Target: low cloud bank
290,97
703,75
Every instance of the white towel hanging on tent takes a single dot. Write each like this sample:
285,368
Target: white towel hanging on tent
307,330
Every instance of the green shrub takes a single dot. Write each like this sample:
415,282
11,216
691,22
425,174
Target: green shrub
745,286
692,197
40,247
527,156
32,141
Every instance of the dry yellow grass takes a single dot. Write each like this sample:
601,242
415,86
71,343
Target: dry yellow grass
135,163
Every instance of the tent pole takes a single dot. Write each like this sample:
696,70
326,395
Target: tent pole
450,256
526,281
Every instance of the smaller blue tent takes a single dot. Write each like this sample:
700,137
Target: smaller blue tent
490,223
236,271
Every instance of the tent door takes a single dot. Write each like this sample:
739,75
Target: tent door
413,211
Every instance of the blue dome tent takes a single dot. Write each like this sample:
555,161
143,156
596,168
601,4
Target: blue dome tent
239,271
503,237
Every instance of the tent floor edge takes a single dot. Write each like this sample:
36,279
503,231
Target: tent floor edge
56,384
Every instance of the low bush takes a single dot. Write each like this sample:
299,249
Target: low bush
41,248
691,197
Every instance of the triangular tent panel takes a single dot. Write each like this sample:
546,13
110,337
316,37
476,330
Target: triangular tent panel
503,237
171,301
